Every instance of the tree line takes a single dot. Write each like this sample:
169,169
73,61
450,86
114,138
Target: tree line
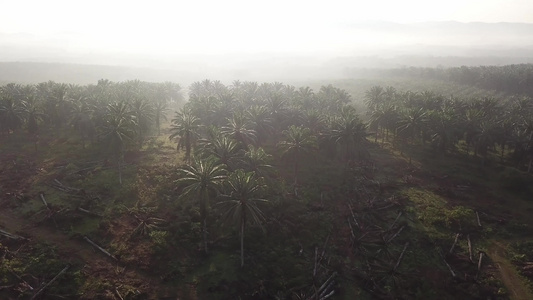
503,126
511,79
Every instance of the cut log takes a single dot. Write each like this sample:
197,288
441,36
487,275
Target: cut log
99,248
49,283
454,243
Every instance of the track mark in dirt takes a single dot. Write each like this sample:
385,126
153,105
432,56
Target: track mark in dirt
512,280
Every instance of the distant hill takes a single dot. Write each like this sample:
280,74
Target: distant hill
29,58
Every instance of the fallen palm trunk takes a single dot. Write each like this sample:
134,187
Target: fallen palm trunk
118,294
99,248
89,212
316,262
20,278
478,221
401,257
50,282
322,292
353,216
395,220
454,243
11,235
44,201
481,254
396,234
448,265
66,188
351,229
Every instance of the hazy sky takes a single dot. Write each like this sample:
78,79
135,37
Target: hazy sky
229,26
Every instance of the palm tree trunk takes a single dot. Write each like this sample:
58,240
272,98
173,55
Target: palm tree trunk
243,223
119,172
119,166
204,233
187,148
157,124
296,177
348,154
502,152
203,214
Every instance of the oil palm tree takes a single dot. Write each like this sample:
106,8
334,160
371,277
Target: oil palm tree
11,113
243,194
239,129
118,127
225,149
185,126
32,113
261,122
350,132
257,160
298,141
202,179
144,115
82,120
411,122
160,109
444,129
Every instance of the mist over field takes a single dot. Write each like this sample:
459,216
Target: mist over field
334,52
273,149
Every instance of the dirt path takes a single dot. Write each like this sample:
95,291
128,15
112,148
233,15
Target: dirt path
512,280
